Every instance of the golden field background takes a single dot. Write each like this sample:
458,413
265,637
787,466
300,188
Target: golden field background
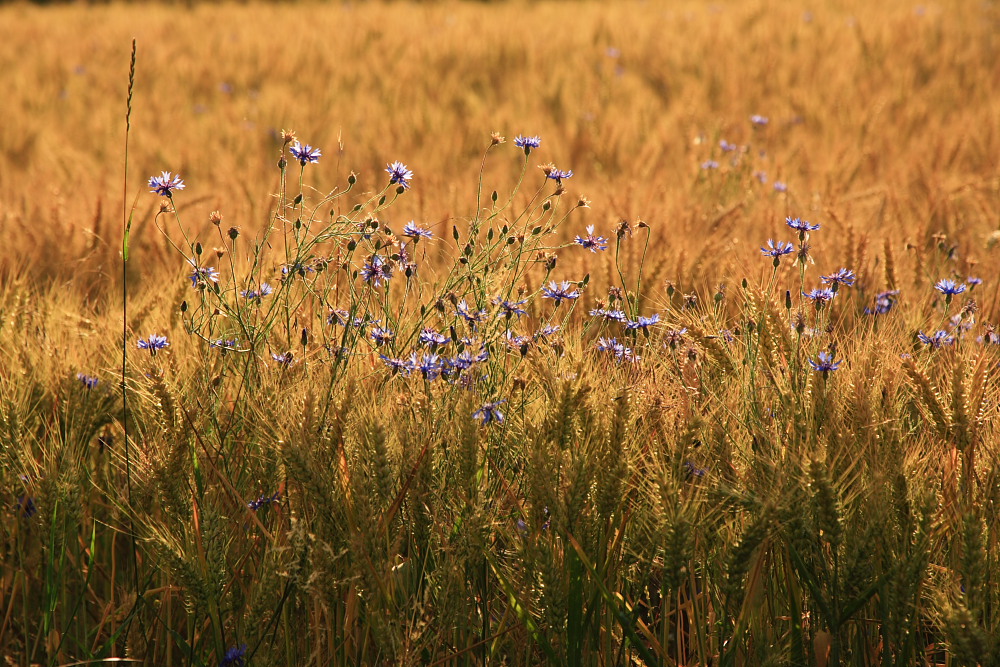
883,118
722,500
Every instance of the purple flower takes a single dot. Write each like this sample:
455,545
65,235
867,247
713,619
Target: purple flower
709,164
610,315
416,233
776,249
255,505
674,337
726,146
973,281
397,365
692,470
800,224
490,412
546,331
234,657
202,275
258,294
884,302
949,287
560,291
643,323
89,381
936,339
382,336
432,339
296,267
591,242
758,120
558,174
517,343
399,174
429,365
825,363
821,295
510,308
470,316
527,143
780,187
224,344
165,184
376,270
841,277
619,350
285,359
304,154
153,343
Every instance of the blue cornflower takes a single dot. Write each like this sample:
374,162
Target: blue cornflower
643,323
296,267
472,317
761,177
709,164
285,359
510,308
416,233
726,146
800,224
825,363
234,657
776,249
758,120
973,281
780,187
610,315
821,295
527,143
153,343
429,365
461,361
25,504
841,277
89,381
949,287
619,350
517,343
399,174
202,275
591,242
339,316
304,154
165,184
432,338
560,291
376,270
490,412
675,337
557,174
546,331
936,339
692,470
224,344
397,365
258,294
262,501
884,302
382,336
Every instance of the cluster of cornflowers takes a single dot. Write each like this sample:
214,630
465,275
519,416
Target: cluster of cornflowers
432,365
616,349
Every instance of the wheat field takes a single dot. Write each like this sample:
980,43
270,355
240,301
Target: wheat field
460,333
